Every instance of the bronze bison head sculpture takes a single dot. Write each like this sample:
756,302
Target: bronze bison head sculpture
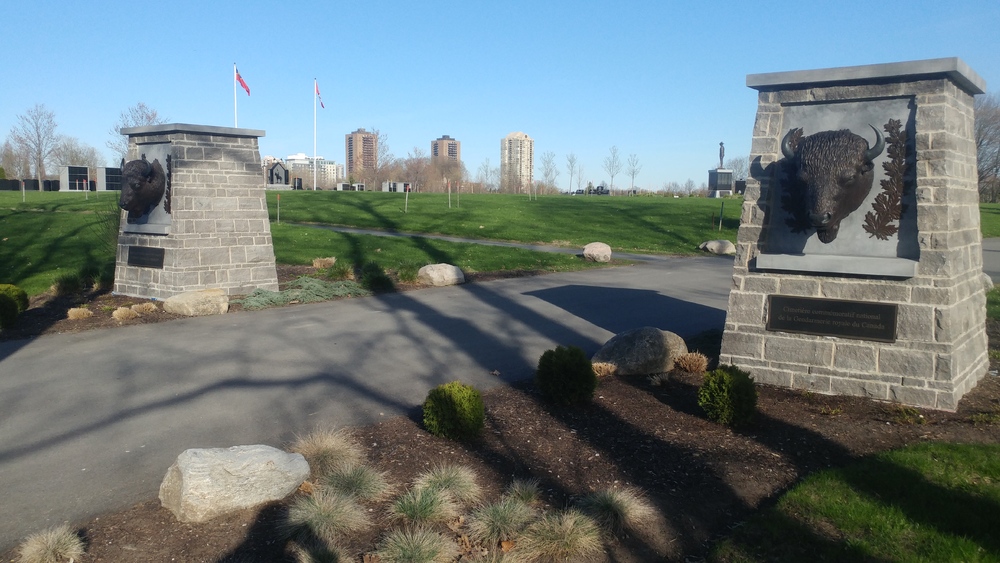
143,186
836,171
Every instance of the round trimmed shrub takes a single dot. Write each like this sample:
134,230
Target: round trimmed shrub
728,396
17,294
565,376
8,311
455,411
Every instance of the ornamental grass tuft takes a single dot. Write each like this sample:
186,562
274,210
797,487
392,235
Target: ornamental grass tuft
617,510
455,480
326,448
55,545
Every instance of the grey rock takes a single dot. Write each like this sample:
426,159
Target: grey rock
720,247
597,252
641,351
205,483
198,303
440,275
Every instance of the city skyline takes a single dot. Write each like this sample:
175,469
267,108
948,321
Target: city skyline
665,82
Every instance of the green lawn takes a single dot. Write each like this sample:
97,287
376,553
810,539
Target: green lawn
930,502
628,224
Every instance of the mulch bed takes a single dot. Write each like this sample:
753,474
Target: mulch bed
703,479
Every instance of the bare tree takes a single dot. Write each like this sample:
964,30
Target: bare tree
383,161
415,168
71,152
483,176
740,165
689,186
549,171
632,169
15,162
135,116
988,146
571,168
613,165
35,136
579,177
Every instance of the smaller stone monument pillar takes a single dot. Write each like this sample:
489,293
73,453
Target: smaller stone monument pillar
859,256
197,217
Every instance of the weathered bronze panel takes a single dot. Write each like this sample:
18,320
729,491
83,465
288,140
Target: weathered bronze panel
859,320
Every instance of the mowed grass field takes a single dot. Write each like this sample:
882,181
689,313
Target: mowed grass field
51,234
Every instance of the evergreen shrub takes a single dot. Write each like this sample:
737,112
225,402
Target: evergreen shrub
8,311
565,376
17,294
455,411
728,396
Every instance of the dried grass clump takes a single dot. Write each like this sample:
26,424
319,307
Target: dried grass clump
692,362
145,308
500,521
321,263
604,369
416,545
325,449
55,545
359,481
617,510
455,480
420,506
327,516
123,314
78,313
561,536
316,551
527,491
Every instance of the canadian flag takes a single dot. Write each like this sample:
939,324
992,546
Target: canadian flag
318,96
240,80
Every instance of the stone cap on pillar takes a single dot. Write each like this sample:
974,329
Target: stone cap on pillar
168,128
953,68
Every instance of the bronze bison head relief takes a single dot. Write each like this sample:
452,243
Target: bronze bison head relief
836,171
143,186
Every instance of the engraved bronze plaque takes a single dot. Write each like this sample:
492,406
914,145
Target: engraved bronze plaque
145,257
859,320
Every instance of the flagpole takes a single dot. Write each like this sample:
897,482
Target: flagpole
315,89
236,115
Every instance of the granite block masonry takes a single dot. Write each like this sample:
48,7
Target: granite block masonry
893,309
214,232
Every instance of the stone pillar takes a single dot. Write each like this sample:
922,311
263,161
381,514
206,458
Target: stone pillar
212,229
923,285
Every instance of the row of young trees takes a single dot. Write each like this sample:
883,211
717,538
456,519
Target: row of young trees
34,149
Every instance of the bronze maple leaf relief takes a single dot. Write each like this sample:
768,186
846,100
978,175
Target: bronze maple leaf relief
888,205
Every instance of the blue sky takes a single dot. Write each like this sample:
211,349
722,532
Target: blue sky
664,80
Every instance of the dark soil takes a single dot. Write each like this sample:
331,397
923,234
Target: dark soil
703,479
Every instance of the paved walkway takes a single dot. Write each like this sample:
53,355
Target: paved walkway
91,421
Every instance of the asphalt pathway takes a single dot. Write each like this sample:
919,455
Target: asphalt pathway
90,422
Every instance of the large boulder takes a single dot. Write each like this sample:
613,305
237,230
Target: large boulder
198,303
205,483
641,351
597,252
720,247
440,275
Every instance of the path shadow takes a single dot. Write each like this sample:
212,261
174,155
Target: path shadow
618,309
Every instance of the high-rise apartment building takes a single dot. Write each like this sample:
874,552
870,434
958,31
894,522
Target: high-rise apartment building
360,148
517,163
446,148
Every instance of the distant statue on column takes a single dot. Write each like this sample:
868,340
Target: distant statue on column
722,154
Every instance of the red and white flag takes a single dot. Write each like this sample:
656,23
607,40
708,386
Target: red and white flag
318,96
240,80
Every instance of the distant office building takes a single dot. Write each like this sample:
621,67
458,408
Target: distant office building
360,148
328,173
517,162
446,148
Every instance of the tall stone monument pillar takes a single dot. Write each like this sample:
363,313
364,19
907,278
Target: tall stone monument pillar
859,258
197,217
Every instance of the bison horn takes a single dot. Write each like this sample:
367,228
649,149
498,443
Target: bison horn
148,171
873,152
786,144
